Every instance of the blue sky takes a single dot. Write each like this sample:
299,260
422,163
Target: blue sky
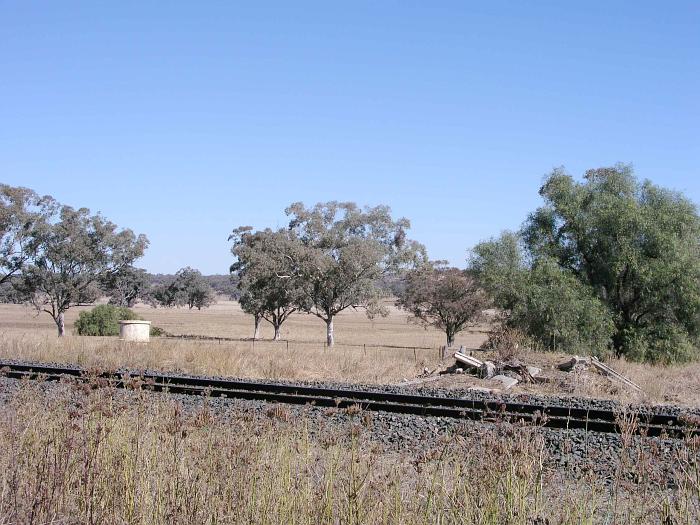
185,120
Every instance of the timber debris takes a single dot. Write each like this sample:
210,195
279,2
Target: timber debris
583,363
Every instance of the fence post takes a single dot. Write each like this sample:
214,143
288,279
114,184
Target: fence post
287,345
415,358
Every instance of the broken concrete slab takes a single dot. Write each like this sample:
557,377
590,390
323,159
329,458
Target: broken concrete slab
574,362
488,369
507,382
533,371
468,360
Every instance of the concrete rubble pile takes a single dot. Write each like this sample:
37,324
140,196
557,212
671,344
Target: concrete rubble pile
510,373
507,373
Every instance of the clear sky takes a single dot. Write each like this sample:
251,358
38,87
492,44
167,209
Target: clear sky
183,120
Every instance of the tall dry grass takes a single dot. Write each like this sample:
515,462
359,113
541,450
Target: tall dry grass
364,352
262,359
100,458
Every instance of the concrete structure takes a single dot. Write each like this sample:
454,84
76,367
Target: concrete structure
138,330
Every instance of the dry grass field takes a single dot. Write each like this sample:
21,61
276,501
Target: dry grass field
365,352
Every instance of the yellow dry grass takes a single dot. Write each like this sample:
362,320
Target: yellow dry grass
364,353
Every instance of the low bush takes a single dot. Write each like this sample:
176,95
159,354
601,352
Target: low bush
157,331
104,320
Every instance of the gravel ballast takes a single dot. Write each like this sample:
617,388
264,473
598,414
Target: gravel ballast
576,451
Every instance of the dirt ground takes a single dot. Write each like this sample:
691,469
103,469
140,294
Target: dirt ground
385,350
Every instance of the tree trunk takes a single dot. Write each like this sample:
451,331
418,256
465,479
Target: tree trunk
256,333
277,332
450,338
61,325
329,332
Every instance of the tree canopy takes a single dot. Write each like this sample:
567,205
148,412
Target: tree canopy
125,286
448,299
629,250
187,288
269,287
72,252
343,252
22,214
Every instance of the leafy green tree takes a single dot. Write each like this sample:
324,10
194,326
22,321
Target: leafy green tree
23,215
632,246
448,299
558,312
163,294
342,254
73,252
500,264
268,286
188,288
193,289
125,286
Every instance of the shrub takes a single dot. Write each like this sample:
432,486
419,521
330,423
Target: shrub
157,331
103,320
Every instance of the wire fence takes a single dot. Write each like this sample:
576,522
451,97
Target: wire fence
441,352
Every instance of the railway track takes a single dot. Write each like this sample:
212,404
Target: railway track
557,417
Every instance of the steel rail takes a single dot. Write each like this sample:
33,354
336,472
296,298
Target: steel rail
559,417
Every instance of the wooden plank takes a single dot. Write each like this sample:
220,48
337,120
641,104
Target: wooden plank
606,370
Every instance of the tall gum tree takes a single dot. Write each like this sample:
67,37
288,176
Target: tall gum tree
74,251
343,253
268,287
23,214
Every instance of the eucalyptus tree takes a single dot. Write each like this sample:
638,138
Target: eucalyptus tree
342,253
448,299
126,286
268,287
193,290
73,251
23,214
188,288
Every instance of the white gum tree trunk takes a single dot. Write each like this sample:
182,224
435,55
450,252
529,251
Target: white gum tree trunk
329,332
256,333
61,325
